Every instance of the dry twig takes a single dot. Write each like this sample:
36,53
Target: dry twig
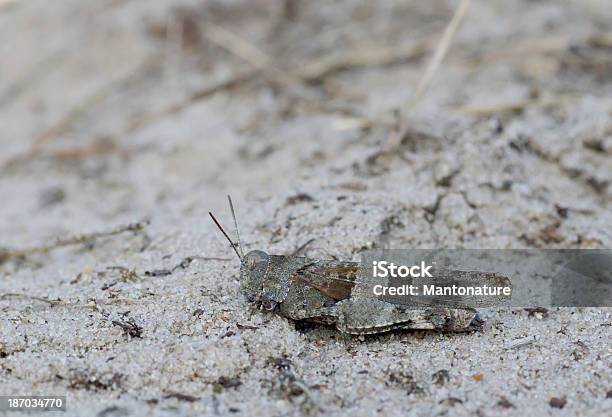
440,52
323,67
93,304
515,106
433,66
198,95
68,119
250,53
7,254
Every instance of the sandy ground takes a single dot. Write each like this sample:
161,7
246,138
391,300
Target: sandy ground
120,111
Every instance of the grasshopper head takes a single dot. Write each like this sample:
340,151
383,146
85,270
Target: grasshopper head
252,274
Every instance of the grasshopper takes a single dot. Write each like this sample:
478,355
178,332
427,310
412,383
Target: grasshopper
325,292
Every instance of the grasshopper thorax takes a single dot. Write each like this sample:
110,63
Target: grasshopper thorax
252,275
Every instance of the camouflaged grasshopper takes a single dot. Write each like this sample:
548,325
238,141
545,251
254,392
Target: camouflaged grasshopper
325,291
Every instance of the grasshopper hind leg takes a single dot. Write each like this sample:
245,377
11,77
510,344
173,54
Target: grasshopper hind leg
374,316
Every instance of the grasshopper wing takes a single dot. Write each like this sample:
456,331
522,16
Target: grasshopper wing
335,279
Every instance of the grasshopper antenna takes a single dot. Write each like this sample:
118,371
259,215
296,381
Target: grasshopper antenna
235,225
226,236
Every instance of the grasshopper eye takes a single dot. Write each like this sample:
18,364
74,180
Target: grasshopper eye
254,259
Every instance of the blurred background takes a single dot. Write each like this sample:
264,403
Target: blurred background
360,124
112,109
